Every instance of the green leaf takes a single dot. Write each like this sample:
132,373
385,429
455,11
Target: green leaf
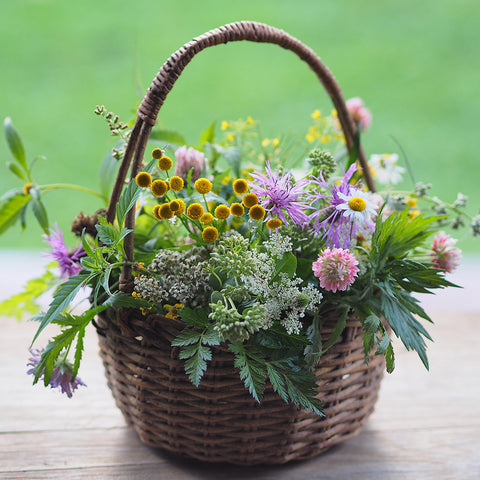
17,171
39,209
287,264
15,143
188,336
252,370
208,135
233,155
62,297
339,327
196,365
390,358
107,172
301,388
129,196
195,318
11,205
25,300
167,136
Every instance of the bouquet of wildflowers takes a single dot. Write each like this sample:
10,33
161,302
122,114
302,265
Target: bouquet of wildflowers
246,253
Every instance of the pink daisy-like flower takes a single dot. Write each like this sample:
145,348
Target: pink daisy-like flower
69,263
360,114
280,195
336,269
61,374
445,256
188,158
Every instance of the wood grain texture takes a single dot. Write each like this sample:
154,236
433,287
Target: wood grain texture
426,424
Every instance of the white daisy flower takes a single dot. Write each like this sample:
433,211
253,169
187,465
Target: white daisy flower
385,169
358,206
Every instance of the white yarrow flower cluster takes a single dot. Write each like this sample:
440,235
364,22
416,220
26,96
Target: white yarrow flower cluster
278,244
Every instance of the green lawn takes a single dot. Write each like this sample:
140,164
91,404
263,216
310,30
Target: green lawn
416,65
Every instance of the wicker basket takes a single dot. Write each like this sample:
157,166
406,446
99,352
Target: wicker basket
219,421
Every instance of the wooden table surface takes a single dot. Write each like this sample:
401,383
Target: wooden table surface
426,424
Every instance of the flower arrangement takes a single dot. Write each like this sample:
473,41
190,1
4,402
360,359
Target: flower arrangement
245,252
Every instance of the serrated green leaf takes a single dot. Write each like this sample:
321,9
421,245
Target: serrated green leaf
196,365
189,336
277,381
301,389
62,297
25,301
252,370
11,205
15,143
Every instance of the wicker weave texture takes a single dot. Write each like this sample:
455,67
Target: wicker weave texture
219,421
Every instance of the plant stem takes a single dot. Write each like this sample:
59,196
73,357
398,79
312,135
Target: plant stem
56,186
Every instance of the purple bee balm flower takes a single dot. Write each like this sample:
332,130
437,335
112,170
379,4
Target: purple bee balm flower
280,195
61,374
69,263
334,222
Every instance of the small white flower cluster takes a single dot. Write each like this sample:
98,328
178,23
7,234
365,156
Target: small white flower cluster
176,277
278,244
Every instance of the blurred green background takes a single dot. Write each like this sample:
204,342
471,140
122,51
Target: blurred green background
415,64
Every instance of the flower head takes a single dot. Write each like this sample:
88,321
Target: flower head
336,222
385,168
61,373
445,256
335,268
359,113
165,163
69,263
357,206
280,195
188,159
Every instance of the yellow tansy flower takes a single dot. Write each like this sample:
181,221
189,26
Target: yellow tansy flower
159,188
206,218
143,179
157,153
165,163
240,186
257,212
203,185
237,209
210,234
222,212
165,211
176,183
250,199
194,211
274,223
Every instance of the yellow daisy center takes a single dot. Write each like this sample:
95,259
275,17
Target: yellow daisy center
358,204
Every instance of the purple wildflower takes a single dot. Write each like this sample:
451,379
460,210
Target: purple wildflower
280,194
61,373
334,221
69,263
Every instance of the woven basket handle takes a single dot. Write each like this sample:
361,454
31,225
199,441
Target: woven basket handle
171,70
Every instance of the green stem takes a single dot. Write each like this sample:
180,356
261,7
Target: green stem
56,186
